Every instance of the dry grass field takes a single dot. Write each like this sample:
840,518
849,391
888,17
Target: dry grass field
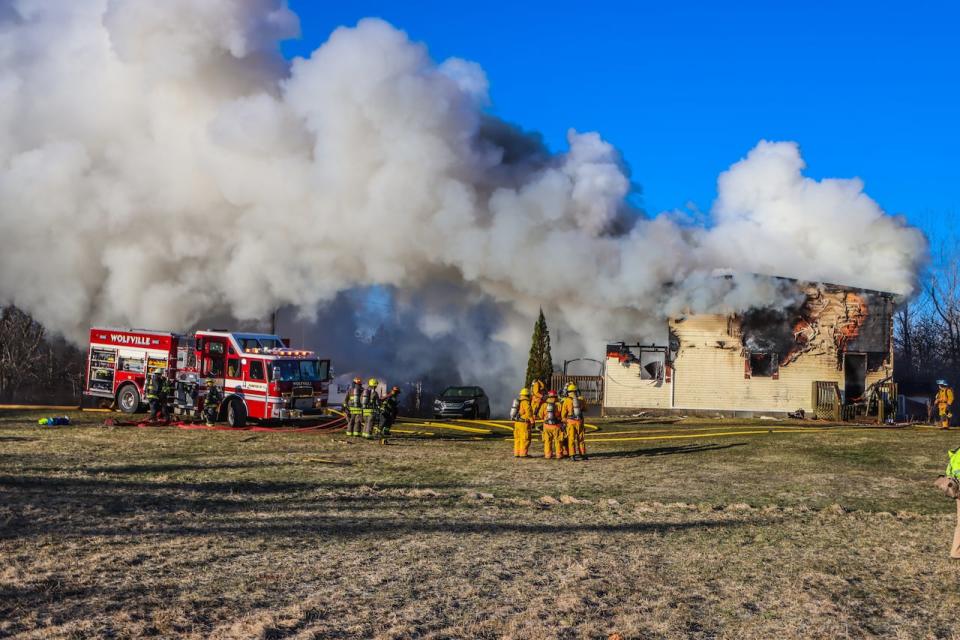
113,532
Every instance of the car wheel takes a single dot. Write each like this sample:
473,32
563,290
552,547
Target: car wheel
128,399
475,413
236,414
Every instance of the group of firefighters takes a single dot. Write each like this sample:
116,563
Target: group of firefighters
159,390
561,420
368,415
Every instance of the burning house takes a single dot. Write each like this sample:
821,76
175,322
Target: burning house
830,354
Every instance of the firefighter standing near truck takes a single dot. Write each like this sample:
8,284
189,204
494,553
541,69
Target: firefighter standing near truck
370,408
571,413
166,395
550,415
523,420
151,392
943,402
211,402
352,406
389,410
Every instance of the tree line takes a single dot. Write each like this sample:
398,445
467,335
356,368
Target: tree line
36,367
927,327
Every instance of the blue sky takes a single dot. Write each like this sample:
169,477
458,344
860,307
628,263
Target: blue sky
868,89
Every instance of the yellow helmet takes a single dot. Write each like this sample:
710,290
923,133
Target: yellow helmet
571,386
524,393
372,382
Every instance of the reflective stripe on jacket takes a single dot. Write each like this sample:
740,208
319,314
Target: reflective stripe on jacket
354,396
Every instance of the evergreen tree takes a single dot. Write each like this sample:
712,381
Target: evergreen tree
540,364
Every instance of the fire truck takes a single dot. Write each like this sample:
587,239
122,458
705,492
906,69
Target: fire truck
259,375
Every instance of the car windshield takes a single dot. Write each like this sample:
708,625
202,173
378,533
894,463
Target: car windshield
299,371
460,392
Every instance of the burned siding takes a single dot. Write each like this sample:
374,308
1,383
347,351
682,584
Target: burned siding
830,320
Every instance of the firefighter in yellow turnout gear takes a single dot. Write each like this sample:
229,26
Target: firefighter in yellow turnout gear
571,413
550,415
536,396
523,419
943,402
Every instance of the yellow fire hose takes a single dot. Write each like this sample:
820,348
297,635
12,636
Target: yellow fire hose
454,427
704,435
646,432
508,424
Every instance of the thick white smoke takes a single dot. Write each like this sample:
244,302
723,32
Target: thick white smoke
160,163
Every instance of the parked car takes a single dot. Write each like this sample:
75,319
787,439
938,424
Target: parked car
462,402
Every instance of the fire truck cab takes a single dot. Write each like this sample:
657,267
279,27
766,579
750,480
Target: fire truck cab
259,375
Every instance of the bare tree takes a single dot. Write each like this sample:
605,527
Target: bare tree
944,292
927,329
21,351
904,336
35,367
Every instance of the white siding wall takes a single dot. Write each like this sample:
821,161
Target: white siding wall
708,376
622,387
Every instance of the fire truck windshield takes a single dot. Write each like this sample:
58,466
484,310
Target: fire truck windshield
299,371
259,343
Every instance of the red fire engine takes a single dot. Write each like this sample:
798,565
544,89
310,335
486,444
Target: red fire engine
259,375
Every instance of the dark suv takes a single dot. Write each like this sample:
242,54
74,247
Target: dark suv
462,402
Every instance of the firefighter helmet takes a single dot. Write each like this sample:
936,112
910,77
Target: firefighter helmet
551,394
372,382
211,382
571,386
524,393
942,383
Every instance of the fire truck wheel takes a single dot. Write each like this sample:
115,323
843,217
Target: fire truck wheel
236,414
128,398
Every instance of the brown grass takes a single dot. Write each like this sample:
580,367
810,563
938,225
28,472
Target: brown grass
128,533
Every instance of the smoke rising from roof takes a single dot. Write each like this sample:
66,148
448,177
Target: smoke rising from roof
163,164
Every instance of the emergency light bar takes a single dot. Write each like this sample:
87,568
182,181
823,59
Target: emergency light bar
284,352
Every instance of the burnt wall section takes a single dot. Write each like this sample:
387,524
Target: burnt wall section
831,321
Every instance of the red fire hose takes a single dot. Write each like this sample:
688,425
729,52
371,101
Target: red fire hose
328,427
